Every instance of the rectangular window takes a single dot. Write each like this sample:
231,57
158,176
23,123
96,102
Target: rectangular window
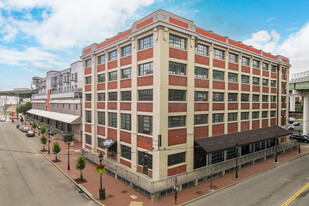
264,114
126,73
145,43
88,80
112,76
218,54
272,113
175,159
88,139
201,49
145,95
101,97
265,66
101,118
101,59
265,82
144,159
145,124
233,58
101,78
176,121
216,118
88,63
256,80
273,98
264,98
218,96
177,68
218,75
233,77
178,42
274,68
176,95
255,115
200,96
273,83
201,72
232,97
126,121
126,96
112,55
126,51
200,119
126,152
88,116
244,115
217,157
112,96
88,97
112,119
245,61
245,97
232,117
231,153
255,97
145,69
245,79
256,64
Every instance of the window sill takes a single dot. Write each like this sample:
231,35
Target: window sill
177,48
174,128
201,125
144,49
145,135
176,165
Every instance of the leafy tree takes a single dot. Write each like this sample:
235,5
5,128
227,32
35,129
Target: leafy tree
33,126
80,165
24,107
56,148
43,141
21,119
43,129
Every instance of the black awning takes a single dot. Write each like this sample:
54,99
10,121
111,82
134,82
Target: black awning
220,142
107,143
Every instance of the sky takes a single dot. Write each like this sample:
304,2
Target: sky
40,35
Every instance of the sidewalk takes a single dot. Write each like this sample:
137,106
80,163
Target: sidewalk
120,194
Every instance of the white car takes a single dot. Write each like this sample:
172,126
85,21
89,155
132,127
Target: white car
25,129
21,127
2,119
291,127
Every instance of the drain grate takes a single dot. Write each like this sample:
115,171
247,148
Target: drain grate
124,191
199,192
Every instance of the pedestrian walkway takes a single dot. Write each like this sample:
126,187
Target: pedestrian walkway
119,194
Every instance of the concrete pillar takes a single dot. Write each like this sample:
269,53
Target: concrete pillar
292,103
306,113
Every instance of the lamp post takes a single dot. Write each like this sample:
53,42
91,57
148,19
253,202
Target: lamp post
101,190
276,155
68,155
48,140
236,168
299,147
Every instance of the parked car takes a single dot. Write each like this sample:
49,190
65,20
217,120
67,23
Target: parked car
30,134
291,127
296,123
21,127
2,119
300,138
25,129
18,125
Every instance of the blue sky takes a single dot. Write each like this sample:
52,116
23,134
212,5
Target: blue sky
39,35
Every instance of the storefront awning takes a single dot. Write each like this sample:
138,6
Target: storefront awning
106,143
67,118
221,142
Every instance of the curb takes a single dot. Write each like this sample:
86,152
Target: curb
86,192
222,188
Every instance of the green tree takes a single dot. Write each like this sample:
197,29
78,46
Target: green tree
33,125
43,129
43,141
56,148
24,108
21,119
80,165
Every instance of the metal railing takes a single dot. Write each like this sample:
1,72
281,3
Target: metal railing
157,186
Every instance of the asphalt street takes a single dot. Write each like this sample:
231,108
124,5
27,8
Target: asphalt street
271,188
27,178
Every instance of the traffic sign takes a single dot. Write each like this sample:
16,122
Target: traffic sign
12,115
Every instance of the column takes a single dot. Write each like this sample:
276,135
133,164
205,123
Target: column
306,113
292,103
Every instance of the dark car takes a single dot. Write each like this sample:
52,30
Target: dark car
300,138
296,123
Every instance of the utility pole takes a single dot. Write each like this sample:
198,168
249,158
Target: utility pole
175,190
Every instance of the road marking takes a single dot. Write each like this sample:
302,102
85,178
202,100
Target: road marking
295,195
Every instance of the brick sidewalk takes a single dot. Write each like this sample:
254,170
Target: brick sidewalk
118,194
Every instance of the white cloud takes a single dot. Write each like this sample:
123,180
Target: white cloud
74,23
295,47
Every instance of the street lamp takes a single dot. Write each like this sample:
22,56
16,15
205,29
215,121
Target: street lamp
276,155
101,190
48,140
236,168
68,155
299,147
